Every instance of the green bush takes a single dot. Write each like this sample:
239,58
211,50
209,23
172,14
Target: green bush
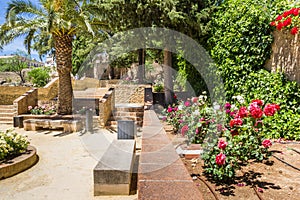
39,76
12,144
240,44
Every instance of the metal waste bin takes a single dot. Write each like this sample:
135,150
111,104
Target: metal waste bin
126,129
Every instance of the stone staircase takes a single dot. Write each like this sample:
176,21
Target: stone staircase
128,111
6,114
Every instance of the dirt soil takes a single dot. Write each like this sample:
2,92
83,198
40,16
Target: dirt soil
272,179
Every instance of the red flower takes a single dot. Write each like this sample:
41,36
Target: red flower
270,109
234,132
294,30
258,102
285,14
287,22
273,23
175,97
175,109
184,129
279,18
170,109
220,159
222,144
243,112
267,143
295,11
279,26
195,99
256,112
236,122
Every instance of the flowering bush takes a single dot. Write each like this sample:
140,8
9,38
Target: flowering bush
288,20
242,140
12,144
42,110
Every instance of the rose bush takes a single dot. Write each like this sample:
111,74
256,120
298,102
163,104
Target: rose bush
42,110
288,20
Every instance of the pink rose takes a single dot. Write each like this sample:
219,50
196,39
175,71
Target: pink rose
270,109
29,108
222,144
184,129
170,109
256,112
195,99
236,122
220,159
243,112
267,143
187,103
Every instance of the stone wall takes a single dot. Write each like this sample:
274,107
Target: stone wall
85,83
285,55
29,98
106,106
50,91
130,93
10,93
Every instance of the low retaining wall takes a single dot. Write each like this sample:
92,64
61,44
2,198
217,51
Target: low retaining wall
29,98
10,93
106,106
162,175
19,164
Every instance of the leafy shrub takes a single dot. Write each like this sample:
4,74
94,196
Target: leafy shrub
240,43
39,76
12,144
158,87
42,110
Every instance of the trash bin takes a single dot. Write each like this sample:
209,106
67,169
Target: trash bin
18,121
126,129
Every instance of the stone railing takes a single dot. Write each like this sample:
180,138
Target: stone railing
162,175
10,93
50,91
30,98
285,55
106,106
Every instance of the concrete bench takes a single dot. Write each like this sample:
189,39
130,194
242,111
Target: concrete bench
68,126
112,174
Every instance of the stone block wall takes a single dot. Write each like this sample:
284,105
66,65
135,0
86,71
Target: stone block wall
29,98
85,83
50,91
130,93
285,55
106,106
10,93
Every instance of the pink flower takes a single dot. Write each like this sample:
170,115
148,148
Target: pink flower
180,121
197,131
219,127
236,122
227,106
175,109
256,112
220,159
170,109
164,118
243,112
184,129
270,109
222,144
187,103
294,30
267,143
195,99
29,108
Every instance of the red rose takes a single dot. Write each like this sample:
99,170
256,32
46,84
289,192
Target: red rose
279,18
243,112
270,109
175,97
170,109
279,26
273,23
267,143
285,14
287,22
236,122
184,129
220,159
222,144
294,30
258,102
295,11
256,112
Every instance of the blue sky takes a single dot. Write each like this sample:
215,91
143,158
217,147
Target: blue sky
18,43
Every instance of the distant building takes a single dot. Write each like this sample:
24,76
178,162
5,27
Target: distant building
30,63
50,61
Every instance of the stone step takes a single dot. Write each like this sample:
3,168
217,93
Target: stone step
124,113
130,109
114,124
6,108
2,114
116,118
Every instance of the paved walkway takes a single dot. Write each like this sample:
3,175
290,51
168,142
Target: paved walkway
64,170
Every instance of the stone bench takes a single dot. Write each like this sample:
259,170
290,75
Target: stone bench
112,174
68,126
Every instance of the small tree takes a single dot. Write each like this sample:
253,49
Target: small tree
16,65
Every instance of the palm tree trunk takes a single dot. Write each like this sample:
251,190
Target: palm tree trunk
63,53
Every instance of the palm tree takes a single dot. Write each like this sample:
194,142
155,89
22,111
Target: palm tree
51,20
